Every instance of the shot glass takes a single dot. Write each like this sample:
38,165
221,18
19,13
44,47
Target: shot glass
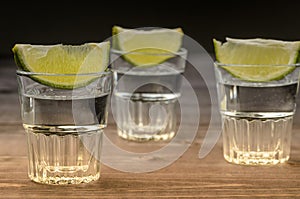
257,117
146,97
64,127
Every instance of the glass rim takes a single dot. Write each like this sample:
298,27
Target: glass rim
182,51
28,73
249,65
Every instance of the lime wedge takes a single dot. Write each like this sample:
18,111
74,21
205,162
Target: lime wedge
268,59
147,47
63,59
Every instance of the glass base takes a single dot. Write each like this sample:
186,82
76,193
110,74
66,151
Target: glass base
256,141
64,180
255,158
70,158
142,137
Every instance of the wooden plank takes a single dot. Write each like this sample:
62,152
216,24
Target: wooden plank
187,177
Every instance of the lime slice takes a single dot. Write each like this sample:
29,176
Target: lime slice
268,59
147,47
63,59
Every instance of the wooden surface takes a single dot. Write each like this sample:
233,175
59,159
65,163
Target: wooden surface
187,177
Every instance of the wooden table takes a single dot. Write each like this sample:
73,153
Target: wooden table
187,177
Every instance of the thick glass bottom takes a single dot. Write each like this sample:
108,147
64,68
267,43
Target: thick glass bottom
141,137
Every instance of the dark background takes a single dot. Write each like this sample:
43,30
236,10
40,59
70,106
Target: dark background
68,22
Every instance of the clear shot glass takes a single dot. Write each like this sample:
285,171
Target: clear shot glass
257,116
64,127
146,97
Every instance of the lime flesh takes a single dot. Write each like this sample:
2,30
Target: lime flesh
147,47
257,59
63,59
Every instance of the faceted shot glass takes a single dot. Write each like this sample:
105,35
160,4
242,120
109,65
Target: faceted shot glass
146,97
257,116
64,126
